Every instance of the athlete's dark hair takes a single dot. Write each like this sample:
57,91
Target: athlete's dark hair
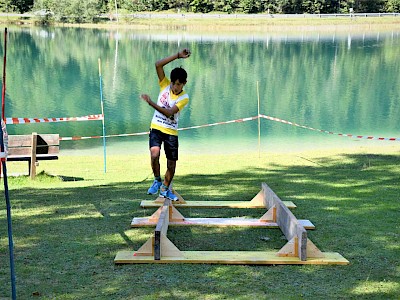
178,73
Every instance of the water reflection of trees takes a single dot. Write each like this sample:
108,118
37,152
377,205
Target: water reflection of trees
330,82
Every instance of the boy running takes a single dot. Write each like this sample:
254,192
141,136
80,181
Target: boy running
164,125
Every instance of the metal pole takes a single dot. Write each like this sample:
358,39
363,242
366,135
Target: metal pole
3,92
5,180
259,124
9,223
102,113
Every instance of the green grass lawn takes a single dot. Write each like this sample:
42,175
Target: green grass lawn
68,229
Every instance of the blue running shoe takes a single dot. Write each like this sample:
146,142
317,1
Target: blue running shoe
167,193
154,187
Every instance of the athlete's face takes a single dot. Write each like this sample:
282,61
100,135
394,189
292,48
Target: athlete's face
177,87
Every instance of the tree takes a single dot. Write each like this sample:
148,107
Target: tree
81,11
20,6
228,6
75,11
201,6
23,5
6,6
249,6
393,6
313,6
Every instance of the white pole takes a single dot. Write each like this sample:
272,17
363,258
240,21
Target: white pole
116,10
259,124
102,113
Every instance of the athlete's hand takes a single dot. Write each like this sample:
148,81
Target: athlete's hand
184,53
146,98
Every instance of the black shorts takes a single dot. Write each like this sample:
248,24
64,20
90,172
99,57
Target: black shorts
156,138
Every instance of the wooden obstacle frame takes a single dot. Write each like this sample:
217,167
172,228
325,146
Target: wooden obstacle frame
299,249
265,221
256,202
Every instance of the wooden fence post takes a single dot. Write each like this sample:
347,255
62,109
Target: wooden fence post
32,167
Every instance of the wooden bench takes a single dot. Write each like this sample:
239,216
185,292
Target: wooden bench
32,148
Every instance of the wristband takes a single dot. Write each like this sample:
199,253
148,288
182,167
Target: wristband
178,56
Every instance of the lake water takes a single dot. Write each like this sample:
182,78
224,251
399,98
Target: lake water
343,83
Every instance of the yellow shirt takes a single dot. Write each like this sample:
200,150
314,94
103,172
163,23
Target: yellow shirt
168,99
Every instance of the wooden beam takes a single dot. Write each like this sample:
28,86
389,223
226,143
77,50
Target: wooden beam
288,223
162,245
210,204
217,222
161,228
230,258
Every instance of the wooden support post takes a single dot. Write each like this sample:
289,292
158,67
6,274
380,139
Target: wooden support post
32,163
159,245
147,248
174,214
258,199
291,248
270,215
162,245
289,225
161,228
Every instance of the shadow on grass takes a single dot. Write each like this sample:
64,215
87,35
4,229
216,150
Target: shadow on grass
66,239
71,178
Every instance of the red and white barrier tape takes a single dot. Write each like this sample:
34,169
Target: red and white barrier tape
220,123
74,138
48,120
330,132
100,117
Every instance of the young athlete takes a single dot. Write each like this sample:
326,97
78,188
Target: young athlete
164,125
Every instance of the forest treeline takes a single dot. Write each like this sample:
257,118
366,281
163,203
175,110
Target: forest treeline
89,10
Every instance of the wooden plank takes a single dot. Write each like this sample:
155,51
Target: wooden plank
162,245
212,204
19,152
161,228
231,257
216,222
32,148
20,147
50,139
288,223
26,157
19,141
25,140
46,157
